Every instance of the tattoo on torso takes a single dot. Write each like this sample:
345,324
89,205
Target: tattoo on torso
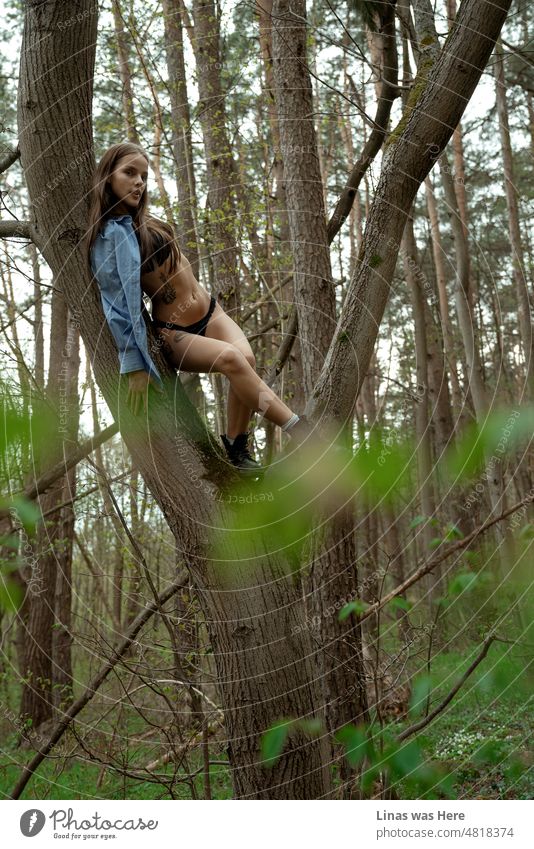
167,292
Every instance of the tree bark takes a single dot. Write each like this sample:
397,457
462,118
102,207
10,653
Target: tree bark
313,285
125,73
441,281
434,108
181,131
36,700
422,422
220,167
263,664
62,634
526,331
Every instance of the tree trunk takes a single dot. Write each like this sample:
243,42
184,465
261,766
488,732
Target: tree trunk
36,701
62,634
125,73
422,422
181,131
441,280
526,332
220,168
313,285
264,8
263,662
437,101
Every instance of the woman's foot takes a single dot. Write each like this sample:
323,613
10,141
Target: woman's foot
240,456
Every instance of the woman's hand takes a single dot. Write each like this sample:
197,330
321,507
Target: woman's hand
138,382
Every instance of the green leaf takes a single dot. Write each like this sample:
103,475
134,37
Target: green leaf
417,521
383,467
464,582
483,447
273,741
526,533
357,606
11,596
404,759
399,603
453,532
420,693
27,511
354,740
313,727
490,752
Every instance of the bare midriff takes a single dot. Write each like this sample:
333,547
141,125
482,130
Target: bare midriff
179,297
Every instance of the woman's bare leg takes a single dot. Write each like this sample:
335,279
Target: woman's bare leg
225,329
190,352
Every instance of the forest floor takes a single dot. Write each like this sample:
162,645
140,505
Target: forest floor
483,740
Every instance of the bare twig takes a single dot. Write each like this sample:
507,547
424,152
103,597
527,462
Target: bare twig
435,561
52,475
426,720
140,620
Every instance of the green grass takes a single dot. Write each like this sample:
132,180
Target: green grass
482,741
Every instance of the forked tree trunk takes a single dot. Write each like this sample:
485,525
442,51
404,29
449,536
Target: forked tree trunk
263,662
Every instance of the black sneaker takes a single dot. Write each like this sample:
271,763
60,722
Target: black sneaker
240,456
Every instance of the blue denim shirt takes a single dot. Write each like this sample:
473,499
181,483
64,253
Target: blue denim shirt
116,264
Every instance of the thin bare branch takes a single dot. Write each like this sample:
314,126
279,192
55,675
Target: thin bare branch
140,620
52,475
426,720
435,561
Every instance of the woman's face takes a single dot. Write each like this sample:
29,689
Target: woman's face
128,181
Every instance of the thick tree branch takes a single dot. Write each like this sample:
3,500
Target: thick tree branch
434,108
19,230
8,157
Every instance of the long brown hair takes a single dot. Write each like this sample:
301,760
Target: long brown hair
156,238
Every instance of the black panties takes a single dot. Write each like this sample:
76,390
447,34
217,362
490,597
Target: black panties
199,327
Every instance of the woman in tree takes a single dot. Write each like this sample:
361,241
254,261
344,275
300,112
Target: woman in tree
129,252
